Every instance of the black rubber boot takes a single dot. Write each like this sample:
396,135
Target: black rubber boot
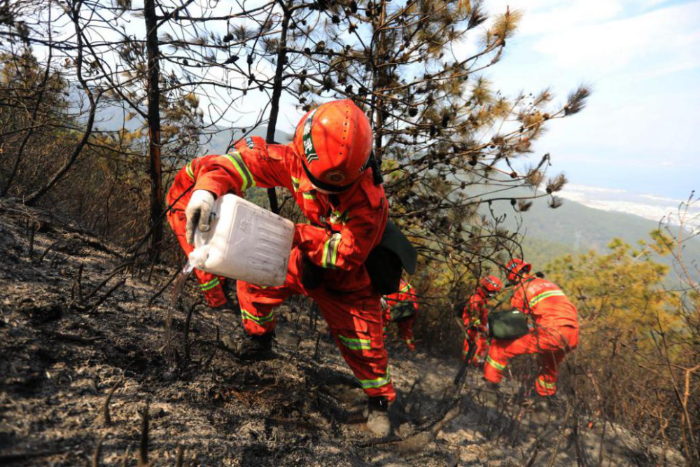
377,417
251,347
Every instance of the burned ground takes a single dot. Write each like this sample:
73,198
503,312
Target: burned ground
87,358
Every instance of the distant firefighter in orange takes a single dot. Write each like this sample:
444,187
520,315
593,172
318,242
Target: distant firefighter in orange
402,309
475,316
555,331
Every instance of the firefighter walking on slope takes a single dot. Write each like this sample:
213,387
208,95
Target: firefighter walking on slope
402,309
555,332
325,170
475,317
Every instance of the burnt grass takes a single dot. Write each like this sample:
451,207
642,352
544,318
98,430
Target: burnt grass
91,373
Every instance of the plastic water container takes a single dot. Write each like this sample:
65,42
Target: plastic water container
245,242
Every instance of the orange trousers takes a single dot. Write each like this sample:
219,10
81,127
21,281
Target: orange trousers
354,319
405,329
550,344
209,284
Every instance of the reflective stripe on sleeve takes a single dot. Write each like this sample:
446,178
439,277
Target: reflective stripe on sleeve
545,295
330,251
239,165
189,170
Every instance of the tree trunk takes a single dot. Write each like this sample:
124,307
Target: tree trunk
276,95
154,167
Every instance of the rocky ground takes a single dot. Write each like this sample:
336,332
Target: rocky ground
91,373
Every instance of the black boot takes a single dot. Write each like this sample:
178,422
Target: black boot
377,418
251,347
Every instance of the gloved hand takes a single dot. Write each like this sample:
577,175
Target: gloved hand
198,211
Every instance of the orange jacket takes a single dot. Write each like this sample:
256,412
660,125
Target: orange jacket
476,309
345,227
405,294
545,301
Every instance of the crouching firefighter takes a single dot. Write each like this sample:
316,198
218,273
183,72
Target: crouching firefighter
402,309
553,335
324,169
475,317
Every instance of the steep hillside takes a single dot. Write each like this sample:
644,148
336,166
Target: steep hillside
92,373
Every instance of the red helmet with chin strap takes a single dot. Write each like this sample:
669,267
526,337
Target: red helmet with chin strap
491,284
334,142
516,268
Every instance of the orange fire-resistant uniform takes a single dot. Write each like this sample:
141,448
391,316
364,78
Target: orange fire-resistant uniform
404,298
345,228
555,333
475,316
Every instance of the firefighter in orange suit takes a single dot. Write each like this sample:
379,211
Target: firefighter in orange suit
404,308
324,169
475,316
555,331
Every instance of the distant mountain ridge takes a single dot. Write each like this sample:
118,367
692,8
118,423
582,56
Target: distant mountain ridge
575,228
218,142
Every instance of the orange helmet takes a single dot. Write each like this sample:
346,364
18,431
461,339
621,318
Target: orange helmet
515,268
334,142
491,284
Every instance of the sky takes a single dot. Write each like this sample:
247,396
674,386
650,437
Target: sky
634,147
642,59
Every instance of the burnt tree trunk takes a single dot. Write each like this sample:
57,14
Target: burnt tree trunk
277,86
154,159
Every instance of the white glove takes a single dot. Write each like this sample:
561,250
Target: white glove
198,212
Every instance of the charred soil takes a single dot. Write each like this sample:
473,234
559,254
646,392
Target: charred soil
91,373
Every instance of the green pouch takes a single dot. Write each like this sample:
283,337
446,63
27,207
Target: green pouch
508,324
402,311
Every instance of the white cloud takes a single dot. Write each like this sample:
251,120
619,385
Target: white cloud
649,206
599,47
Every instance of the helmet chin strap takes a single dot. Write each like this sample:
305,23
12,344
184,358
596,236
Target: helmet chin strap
373,164
323,185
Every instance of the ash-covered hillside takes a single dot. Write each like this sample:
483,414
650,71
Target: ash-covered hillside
92,374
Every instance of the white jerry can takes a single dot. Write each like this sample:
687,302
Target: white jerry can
245,242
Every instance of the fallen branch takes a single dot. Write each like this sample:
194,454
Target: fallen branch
106,296
116,271
49,248
160,292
